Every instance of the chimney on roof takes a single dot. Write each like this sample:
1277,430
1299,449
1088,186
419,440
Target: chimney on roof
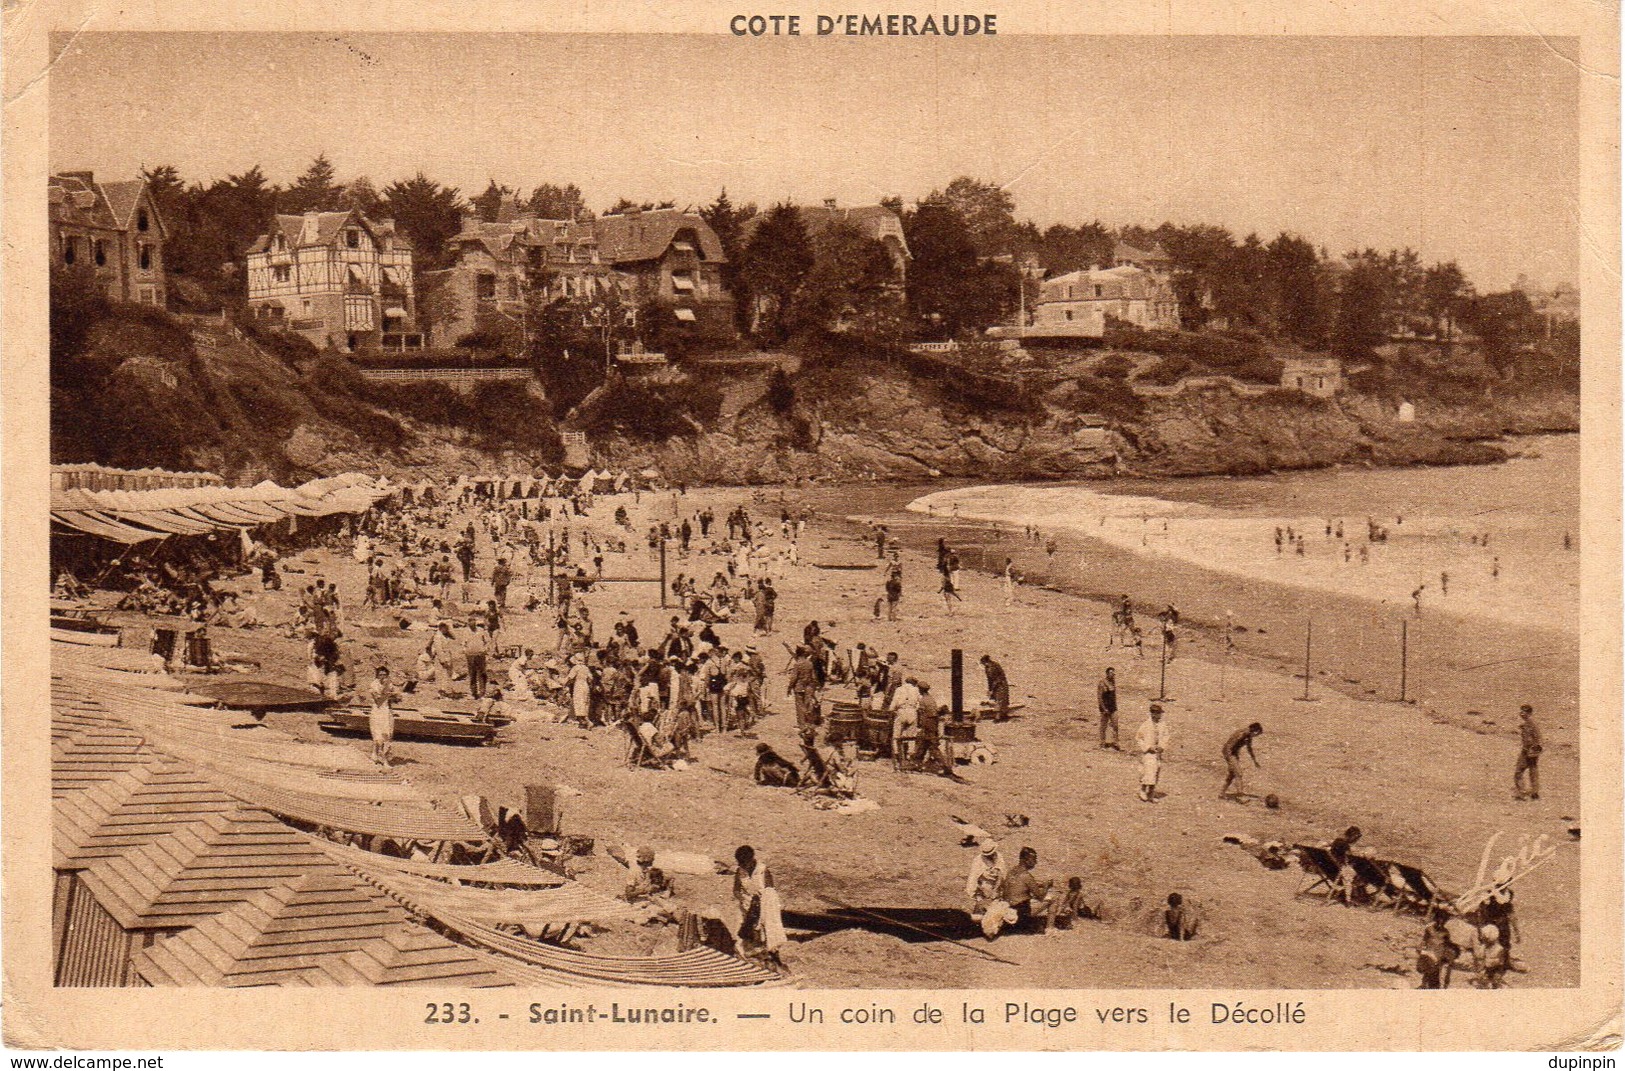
308,232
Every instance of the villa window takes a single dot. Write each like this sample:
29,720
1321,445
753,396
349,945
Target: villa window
485,286
70,249
100,249
146,257
281,275
141,220
1099,291
352,239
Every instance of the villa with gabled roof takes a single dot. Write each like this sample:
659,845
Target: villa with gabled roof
112,228
338,278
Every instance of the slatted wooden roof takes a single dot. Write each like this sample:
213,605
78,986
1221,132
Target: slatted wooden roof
524,907
697,967
169,832
274,936
130,810
416,956
192,874
504,873
91,755
383,806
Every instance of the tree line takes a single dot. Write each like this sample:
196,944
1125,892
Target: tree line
966,271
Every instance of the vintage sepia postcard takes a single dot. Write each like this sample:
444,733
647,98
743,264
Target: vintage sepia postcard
1034,527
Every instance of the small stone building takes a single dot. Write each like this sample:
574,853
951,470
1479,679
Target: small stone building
1319,376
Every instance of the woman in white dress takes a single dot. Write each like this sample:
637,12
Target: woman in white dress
381,717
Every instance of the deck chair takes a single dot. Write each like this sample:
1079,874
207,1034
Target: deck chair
1319,868
902,752
815,776
817,779
638,751
1414,888
1374,876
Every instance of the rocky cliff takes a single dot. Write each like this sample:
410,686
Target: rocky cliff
887,425
137,387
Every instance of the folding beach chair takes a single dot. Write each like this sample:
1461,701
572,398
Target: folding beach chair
817,779
638,751
1319,868
1413,888
1375,876
902,752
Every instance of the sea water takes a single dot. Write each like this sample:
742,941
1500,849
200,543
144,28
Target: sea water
1483,541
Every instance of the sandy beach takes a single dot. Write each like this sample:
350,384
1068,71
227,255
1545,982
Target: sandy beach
1343,758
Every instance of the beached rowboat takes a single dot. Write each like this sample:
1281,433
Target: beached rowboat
432,726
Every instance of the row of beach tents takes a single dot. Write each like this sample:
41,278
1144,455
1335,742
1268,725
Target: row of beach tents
528,486
133,506
137,516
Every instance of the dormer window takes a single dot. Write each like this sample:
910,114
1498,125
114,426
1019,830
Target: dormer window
352,239
142,222
99,249
281,244
70,249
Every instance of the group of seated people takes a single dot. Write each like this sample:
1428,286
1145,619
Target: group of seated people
1014,899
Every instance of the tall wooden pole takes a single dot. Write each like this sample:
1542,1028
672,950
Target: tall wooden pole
956,679
1162,670
1308,641
662,574
1404,658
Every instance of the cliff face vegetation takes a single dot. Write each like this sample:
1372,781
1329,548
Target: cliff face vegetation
879,422
138,387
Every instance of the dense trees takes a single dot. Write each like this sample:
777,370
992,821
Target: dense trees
728,221
317,190
558,202
952,289
965,241
428,213
488,204
776,261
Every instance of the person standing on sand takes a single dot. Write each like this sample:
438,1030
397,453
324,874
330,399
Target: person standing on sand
381,716
1152,743
1009,582
501,577
1106,697
1436,953
881,535
1242,738
894,591
998,688
802,687
1416,598
1529,749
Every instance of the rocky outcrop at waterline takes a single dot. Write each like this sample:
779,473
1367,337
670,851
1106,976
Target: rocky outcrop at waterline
888,427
